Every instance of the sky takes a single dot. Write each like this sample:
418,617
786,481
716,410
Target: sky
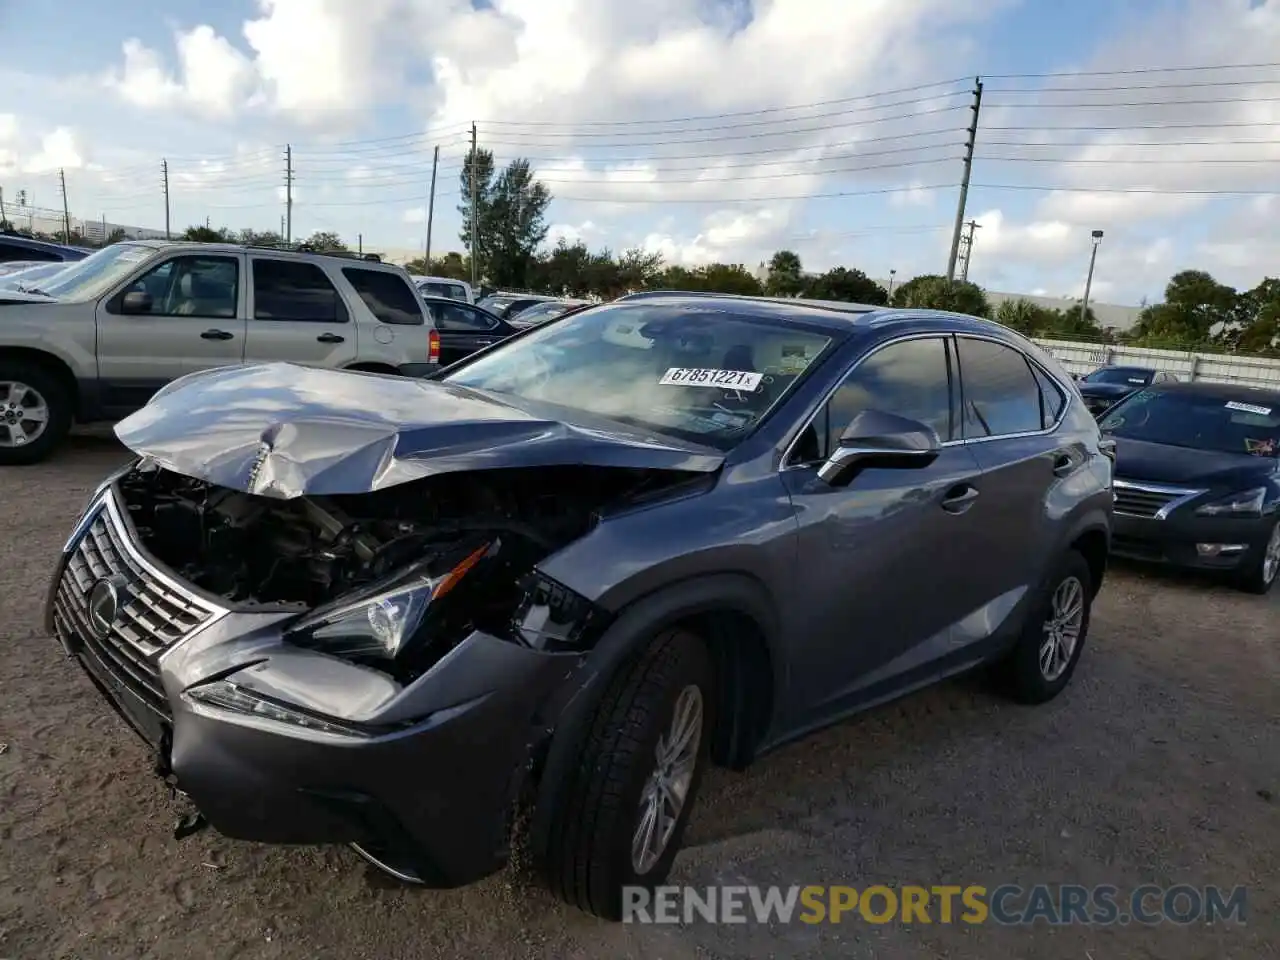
707,130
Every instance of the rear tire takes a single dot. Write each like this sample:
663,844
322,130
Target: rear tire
1264,573
594,848
1040,665
28,390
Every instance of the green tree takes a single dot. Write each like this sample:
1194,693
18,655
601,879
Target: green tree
786,276
484,185
517,222
1257,322
203,234
565,270
852,286
934,292
325,241
730,278
638,268
264,238
115,236
1194,304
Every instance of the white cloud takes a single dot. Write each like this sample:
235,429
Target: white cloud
59,149
415,215
213,76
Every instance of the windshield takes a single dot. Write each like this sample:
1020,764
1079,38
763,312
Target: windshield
98,272
700,375
452,291
1128,376
1198,421
496,304
30,277
539,313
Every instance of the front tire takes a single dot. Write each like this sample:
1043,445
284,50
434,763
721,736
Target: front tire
1264,573
634,785
1040,665
35,413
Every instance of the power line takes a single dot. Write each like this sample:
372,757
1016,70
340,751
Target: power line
1136,71
1133,160
1042,188
1148,126
1136,103
1129,87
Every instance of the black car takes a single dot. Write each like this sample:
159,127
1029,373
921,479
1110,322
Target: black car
14,247
1198,479
464,328
540,313
506,305
1106,387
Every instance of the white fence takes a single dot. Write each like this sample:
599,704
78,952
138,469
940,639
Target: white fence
1080,358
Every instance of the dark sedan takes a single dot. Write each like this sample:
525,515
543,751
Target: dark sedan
1106,387
540,313
14,247
506,305
1198,479
464,328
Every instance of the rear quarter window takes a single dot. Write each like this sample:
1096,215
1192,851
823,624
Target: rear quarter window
388,296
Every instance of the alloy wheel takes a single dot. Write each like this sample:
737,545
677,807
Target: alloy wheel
663,798
24,414
1271,559
1062,628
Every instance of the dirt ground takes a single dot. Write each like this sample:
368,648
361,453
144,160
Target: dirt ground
1160,764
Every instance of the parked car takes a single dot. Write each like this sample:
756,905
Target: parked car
464,328
539,313
96,340
444,287
1198,479
1107,386
30,275
568,574
14,247
504,305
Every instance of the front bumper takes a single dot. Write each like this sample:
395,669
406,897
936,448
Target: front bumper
426,781
1225,544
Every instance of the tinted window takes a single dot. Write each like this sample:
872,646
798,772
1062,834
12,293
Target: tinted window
294,290
1200,422
1052,400
388,296
192,287
450,290
908,379
13,251
1129,376
1000,394
452,318
708,376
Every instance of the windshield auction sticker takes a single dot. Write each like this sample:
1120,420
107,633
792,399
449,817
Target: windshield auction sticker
717,379
1248,408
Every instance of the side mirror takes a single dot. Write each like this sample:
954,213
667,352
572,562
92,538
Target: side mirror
136,301
878,439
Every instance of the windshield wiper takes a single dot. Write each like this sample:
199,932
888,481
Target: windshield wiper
23,288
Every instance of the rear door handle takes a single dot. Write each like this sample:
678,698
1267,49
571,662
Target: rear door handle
217,335
960,498
330,338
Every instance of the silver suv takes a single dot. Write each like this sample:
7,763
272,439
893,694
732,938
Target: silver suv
97,340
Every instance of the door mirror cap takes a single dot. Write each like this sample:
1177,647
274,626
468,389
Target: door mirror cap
136,301
877,439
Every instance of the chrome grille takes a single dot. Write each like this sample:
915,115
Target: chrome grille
1151,501
153,614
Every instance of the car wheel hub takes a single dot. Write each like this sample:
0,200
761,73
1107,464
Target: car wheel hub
663,798
23,414
1062,628
1271,559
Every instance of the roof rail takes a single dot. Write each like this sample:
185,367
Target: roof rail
305,247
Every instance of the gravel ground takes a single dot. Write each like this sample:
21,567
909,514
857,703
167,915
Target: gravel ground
1161,764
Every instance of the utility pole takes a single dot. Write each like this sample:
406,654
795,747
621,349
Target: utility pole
164,172
966,248
288,193
892,275
431,210
475,254
976,107
360,244
3,218
1088,283
66,213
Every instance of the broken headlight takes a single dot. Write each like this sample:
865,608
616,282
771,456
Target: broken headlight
378,622
229,695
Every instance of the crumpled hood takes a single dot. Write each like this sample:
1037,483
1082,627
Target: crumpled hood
283,430
11,295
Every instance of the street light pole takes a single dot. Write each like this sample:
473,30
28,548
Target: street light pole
892,274
1088,283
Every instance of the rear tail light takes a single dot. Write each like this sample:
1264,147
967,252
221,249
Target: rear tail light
433,346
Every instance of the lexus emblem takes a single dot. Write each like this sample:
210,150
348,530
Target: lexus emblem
104,601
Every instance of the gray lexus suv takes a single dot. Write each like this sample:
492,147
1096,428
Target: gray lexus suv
554,582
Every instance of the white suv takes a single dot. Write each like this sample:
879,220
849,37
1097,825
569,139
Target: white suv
98,339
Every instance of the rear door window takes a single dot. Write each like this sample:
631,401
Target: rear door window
456,318
1001,396
388,296
295,290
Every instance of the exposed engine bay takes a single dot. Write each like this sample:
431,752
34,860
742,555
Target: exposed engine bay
306,552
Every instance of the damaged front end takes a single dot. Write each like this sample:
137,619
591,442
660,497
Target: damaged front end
373,669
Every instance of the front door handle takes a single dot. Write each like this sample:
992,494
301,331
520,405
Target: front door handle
1063,464
217,335
960,498
330,338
